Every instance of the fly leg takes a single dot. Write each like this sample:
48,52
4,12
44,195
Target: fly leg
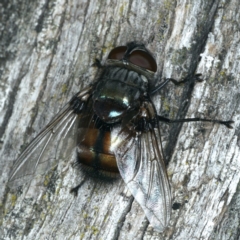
75,189
167,120
97,64
196,77
80,101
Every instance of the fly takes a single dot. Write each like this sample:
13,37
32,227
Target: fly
117,131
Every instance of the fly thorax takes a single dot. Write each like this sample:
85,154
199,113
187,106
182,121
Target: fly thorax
117,93
127,76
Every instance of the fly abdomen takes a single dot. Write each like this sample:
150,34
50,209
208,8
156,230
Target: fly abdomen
94,153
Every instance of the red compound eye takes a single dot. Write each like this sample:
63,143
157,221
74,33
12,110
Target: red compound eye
117,53
143,59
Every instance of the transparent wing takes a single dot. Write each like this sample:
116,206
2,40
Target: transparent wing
141,164
55,141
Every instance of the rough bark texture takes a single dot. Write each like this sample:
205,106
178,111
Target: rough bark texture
47,49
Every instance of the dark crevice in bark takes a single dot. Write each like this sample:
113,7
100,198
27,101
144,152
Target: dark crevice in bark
122,218
9,106
200,39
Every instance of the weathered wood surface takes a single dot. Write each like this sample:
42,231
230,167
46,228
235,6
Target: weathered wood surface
46,51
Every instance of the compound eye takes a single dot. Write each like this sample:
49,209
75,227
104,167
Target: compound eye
143,59
117,53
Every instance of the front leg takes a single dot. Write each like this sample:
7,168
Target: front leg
97,64
197,78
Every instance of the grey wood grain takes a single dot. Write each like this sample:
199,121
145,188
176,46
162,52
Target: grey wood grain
47,49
